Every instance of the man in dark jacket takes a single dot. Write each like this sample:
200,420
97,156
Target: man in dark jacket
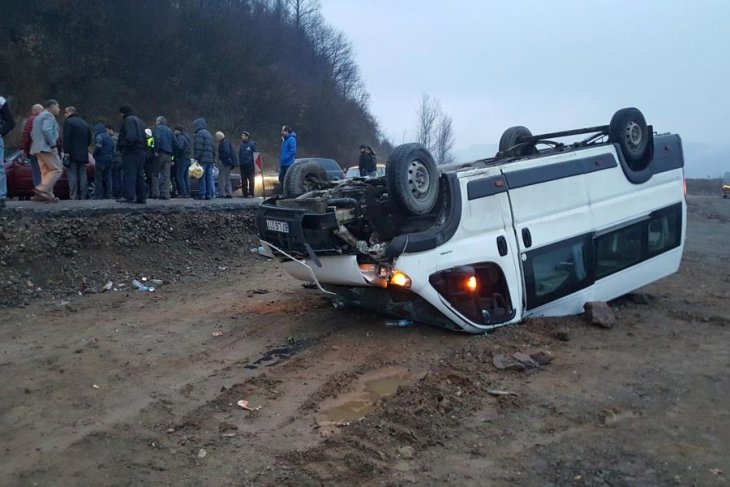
132,146
76,140
103,154
25,142
203,150
367,163
7,123
248,168
117,181
182,162
163,158
228,162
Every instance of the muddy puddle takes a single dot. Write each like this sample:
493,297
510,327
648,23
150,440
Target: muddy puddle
370,388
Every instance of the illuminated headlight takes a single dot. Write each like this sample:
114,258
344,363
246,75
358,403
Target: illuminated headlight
384,275
400,279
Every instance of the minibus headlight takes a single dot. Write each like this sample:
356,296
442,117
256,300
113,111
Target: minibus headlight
400,279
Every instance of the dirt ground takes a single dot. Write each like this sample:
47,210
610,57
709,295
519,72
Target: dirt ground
133,388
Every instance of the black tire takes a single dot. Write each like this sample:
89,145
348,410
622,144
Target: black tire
412,179
513,136
628,129
303,177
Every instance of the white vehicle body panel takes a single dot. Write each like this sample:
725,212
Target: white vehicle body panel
582,206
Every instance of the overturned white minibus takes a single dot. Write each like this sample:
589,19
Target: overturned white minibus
538,230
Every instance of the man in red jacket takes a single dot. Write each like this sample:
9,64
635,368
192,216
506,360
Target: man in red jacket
26,141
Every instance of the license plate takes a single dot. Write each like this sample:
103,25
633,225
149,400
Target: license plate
276,226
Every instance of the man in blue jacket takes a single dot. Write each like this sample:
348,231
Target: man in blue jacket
103,154
203,150
228,162
248,168
163,158
288,152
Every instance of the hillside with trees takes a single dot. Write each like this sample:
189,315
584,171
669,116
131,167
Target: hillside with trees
242,64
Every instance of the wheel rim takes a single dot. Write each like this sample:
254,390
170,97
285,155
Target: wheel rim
418,179
633,134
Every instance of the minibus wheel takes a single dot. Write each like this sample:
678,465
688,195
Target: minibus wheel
514,136
628,129
412,179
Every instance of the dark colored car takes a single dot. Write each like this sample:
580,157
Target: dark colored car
20,178
726,185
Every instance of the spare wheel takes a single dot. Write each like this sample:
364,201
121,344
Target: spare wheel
303,177
412,179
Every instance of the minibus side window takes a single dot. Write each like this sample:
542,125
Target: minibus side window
558,270
618,250
664,231
622,248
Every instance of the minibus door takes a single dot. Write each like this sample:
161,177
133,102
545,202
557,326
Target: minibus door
552,224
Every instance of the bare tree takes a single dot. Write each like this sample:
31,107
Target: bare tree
444,140
434,129
305,15
336,49
428,113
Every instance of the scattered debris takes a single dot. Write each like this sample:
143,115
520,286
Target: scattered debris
157,282
95,386
277,354
520,361
525,360
217,333
170,430
497,393
107,287
600,314
543,357
398,323
243,404
202,453
309,285
505,362
259,291
142,287
406,452
716,471
562,333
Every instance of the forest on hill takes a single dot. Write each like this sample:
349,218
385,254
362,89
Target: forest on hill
242,64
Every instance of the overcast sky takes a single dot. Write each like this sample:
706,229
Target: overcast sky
549,65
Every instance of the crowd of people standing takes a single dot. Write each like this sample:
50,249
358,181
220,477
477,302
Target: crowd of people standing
134,164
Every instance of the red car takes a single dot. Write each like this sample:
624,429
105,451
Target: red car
20,178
